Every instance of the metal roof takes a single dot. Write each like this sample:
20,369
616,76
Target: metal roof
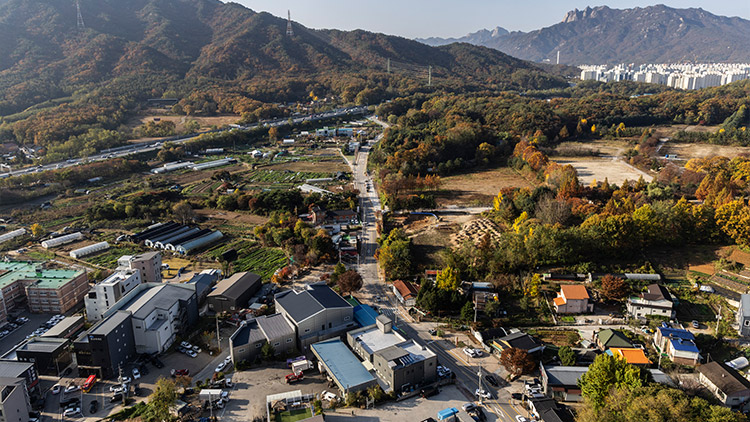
342,364
275,326
236,285
14,368
46,345
162,296
564,375
63,326
301,305
613,338
724,378
107,325
247,333
365,315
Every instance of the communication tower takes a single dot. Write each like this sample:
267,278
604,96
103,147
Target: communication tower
289,30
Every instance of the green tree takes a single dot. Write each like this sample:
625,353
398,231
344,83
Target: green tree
448,279
182,211
609,373
491,308
467,311
161,401
267,351
339,269
567,356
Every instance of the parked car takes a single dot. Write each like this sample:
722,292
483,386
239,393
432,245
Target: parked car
221,366
516,396
432,331
126,380
491,379
520,418
185,345
483,393
136,374
469,352
71,388
180,372
115,398
69,402
196,349
429,392
56,389
228,360
695,324
443,371
191,353
468,406
72,411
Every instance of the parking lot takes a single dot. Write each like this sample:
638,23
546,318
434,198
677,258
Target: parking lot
20,333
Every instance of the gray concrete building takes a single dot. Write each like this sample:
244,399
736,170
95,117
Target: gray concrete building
107,345
743,316
14,400
247,342
51,355
317,312
148,263
233,293
405,366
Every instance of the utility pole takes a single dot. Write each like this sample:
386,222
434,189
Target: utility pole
475,308
389,66
718,319
479,382
218,334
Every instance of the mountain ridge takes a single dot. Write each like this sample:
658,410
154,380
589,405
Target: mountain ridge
653,34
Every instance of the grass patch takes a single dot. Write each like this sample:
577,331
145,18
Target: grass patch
109,257
293,415
253,257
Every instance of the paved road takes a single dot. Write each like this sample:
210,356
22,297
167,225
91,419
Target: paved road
374,286
138,148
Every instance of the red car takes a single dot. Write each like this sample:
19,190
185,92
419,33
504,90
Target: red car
292,378
180,372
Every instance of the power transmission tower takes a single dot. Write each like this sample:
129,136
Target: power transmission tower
289,30
429,76
389,66
79,17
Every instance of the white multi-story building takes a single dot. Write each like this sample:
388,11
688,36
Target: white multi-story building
148,263
681,76
103,296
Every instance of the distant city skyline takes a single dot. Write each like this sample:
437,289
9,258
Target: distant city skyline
456,18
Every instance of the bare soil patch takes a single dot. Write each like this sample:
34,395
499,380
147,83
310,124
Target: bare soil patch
688,151
597,169
475,230
479,188
328,166
179,121
219,217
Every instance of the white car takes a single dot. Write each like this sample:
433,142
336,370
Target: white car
185,345
228,360
56,389
72,411
225,396
469,352
191,353
220,367
116,389
126,380
197,349
468,406
72,388
136,374
520,418
483,394
478,353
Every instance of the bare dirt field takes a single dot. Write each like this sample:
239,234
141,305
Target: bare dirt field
232,217
195,176
475,230
594,168
605,147
688,151
480,187
179,121
327,166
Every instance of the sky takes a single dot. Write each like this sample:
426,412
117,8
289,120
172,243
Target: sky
455,18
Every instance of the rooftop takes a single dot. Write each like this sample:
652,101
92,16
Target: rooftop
13,271
109,323
372,339
301,305
364,315
724,378
66,324
521,340
676,333
247,333
632,356
275,326
684,345
656,292
42,345
564,375
342,364
236,285
156,296
613,338
405,289
574,291
14,368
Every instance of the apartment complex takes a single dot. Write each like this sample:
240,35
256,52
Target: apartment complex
45,290
681,76
149,264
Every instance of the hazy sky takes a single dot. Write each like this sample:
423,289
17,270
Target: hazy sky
455,18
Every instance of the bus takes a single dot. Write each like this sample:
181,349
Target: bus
89,384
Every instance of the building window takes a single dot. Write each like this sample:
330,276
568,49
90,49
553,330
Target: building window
346,318
257,346
307,330
288,340
747,323
276,344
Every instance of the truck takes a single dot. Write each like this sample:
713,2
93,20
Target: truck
289,362
301,365
211,395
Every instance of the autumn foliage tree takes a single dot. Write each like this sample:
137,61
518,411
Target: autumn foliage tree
614,288
349,281
517,362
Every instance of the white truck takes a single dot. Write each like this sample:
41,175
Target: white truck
213,395
301,366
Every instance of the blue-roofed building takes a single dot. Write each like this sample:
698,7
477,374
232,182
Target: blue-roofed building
365,315
342,366
678,344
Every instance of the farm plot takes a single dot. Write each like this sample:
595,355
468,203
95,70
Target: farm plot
254,258
285,177
478,188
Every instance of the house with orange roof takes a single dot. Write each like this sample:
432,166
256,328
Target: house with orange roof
633,356
405,292
573,299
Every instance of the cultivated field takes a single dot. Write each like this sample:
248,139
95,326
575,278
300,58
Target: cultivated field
688,151
597,169
479,188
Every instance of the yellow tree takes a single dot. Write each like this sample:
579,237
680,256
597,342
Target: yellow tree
448,279
37,230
